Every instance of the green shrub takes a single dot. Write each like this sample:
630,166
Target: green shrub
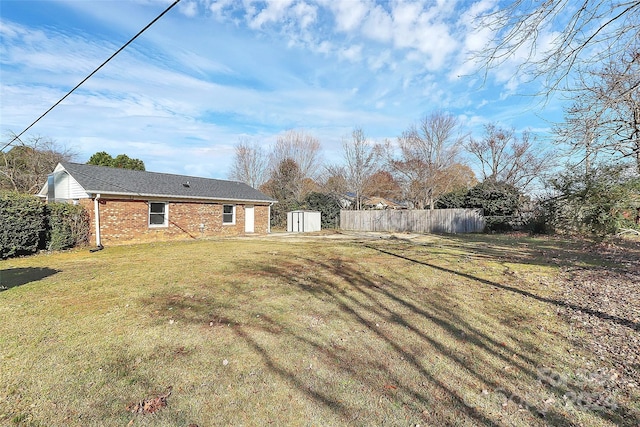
279,213
68,226
22,224
27,224
542,220
328,206
500,204
452,200
598,203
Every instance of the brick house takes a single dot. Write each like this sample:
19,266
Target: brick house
129,206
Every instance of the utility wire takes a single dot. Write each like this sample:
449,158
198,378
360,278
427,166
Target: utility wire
90,75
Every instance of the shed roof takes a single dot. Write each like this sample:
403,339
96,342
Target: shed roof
126,182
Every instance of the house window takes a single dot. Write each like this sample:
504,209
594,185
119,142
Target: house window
228,214
158,214
51,188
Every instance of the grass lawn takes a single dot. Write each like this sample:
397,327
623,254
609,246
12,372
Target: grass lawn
317,331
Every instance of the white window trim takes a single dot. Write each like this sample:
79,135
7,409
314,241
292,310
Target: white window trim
166,216
233,213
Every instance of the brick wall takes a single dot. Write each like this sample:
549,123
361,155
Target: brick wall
262,219
127,221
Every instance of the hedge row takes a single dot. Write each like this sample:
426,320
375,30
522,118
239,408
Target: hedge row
26,225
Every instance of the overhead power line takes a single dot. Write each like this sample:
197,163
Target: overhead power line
90,75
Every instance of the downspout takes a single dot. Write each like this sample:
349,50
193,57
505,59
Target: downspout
269,219
96,210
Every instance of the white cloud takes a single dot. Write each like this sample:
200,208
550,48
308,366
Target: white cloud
10,30
348,14
274,11
218,7
181,95
305,14
381,60
378,25
60,54
405,15
324,47
189,9
351,53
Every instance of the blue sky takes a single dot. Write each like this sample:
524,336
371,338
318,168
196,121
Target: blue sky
212,72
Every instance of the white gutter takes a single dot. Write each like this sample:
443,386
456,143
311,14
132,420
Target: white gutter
96,209
140,196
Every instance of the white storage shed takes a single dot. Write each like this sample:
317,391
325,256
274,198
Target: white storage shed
303,221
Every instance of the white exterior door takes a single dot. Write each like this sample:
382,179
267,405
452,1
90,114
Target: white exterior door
249,216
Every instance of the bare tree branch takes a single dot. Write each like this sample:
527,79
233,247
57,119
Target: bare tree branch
559,36
300,147
425,153
361,162
303,150
604,117
503,157
249,164
25,167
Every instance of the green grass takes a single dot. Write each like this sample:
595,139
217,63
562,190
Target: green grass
432,330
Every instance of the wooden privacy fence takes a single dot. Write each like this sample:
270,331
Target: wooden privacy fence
417,221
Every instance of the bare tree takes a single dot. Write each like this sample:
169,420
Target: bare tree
604,119
361,158
505,157
24,168
300,147
249,164
556,37
424,153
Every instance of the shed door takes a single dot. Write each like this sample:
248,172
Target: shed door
249,219
298,222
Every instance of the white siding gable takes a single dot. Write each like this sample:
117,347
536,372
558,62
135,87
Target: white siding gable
66,187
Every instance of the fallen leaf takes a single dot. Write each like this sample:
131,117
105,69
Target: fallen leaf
150,406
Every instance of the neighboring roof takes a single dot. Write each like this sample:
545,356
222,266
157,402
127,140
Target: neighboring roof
115,181
376,200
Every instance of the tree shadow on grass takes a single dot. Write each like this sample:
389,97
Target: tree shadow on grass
366,298
602,315
362,301
619,415
398,350
543,251
14,277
